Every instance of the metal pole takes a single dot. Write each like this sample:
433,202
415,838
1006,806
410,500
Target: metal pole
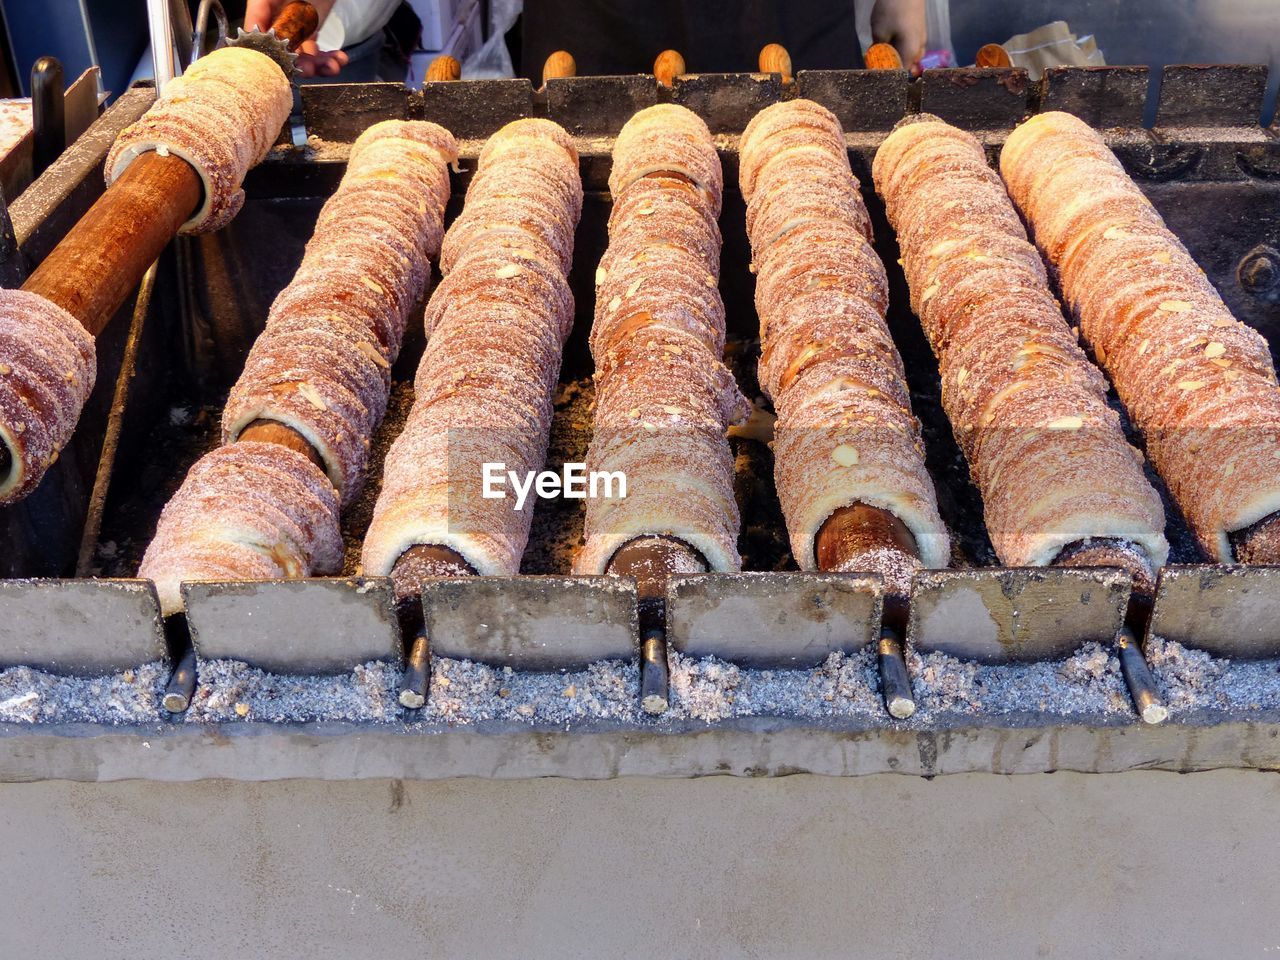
163,61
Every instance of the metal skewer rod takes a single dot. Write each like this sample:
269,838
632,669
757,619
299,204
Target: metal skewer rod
844,540
1142,685
651,560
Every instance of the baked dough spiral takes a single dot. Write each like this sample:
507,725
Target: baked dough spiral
1027,407
845,432
222,116
496,326
664,397
1199,384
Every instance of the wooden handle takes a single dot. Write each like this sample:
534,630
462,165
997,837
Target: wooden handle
856,532
1108,552
668,66
560,64
444,68
298,22
272,431
103,257
775,59
883,56
993,55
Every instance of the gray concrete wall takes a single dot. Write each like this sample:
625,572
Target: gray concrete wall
1051,865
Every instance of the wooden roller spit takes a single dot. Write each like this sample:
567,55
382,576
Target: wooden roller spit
774,58
882,56
668,66
559,66
102,258
444,68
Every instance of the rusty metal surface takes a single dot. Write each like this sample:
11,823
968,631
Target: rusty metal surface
986,98
1100,96
532,622
321,625
474,109
727,101
79,627
598,106
861,99
773,620
1013,615
340,112
1226,611
1212,95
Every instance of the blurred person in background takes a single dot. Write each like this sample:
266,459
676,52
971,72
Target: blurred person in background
624,36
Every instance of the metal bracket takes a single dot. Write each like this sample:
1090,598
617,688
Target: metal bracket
470,109
1218,95
976,98
1225,611
532,622
727,101
862,100
598,106
84,628
320,625
774,620
1019,614
1103,97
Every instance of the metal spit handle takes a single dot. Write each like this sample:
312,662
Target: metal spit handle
163,51
206,7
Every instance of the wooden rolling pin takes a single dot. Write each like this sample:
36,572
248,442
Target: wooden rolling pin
444,69
101,260
103,257
882,56
558,66
668,66
992,55
774,58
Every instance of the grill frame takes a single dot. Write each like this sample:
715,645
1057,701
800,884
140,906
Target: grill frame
1208,169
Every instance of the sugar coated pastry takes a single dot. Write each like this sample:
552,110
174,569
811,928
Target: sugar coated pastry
845,433
221,116
664,397
496,326
323,364
248,511
1199,384
47,371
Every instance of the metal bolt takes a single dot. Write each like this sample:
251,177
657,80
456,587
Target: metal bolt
1259,273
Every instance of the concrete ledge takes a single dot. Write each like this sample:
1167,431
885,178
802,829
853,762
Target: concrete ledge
747,748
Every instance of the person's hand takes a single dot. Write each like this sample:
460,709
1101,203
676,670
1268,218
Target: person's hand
312,61
901,23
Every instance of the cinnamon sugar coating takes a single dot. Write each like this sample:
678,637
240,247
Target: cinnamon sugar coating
323,364
845,432
322,367
47,371
496,326
1198,383
664,398
668,140
247,511
1027,407
221,116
